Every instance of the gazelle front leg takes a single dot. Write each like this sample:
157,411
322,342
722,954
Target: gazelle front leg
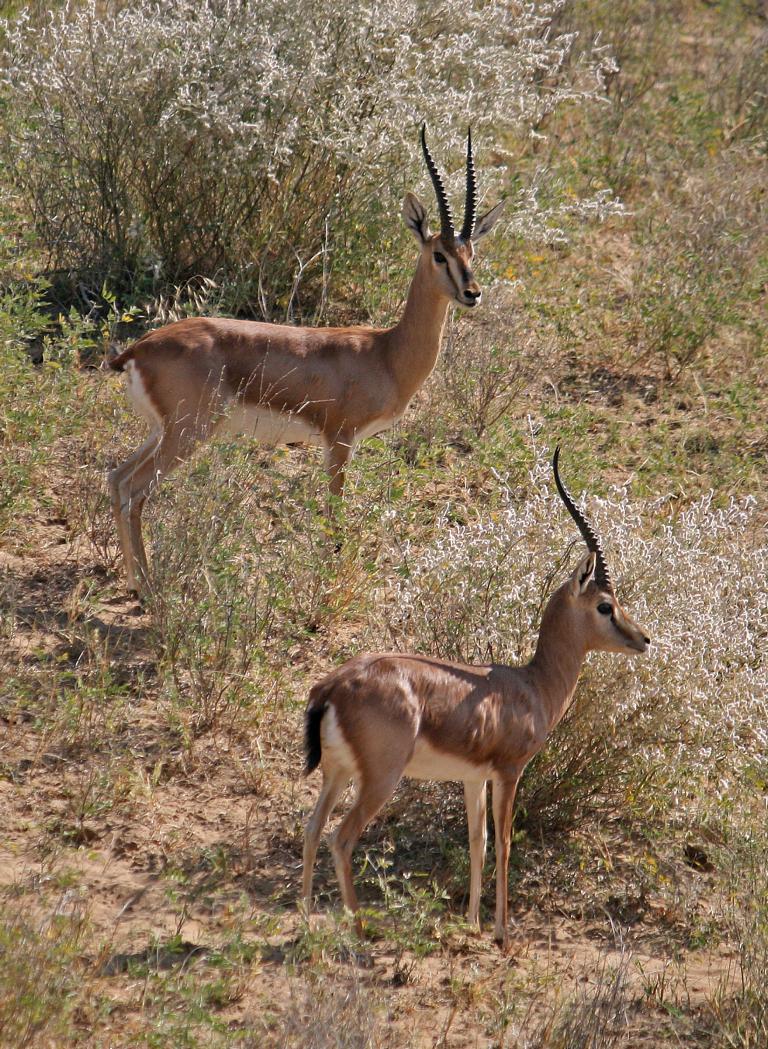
133,481
475,795
504,789
337,455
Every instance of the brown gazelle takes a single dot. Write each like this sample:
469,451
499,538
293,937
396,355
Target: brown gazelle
279,383
384,716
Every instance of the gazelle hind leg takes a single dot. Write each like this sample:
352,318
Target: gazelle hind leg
372,795
333,785
116,480
176,444
475,797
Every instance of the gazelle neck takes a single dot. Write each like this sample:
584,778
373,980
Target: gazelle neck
414,342
558,660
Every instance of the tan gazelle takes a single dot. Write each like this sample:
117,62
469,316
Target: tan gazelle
384,716
280,383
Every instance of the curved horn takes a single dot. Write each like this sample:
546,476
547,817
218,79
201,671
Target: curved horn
602,575
446,221
470,207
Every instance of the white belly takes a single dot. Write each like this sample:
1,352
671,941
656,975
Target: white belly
376,426
268,427
428,763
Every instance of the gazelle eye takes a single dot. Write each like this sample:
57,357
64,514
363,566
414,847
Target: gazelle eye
439,257
604,608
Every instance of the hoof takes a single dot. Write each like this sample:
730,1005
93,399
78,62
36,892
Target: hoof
503,943
140,608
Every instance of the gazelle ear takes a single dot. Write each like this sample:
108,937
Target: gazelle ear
487,221
415,216
582,577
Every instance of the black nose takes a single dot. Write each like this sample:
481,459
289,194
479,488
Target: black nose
646,639
472,296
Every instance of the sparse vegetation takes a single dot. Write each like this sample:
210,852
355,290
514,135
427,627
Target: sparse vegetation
150,759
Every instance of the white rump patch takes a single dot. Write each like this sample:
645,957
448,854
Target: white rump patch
335,749
268,427
138,396
432,764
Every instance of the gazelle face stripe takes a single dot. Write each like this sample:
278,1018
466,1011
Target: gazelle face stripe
465,288
633,634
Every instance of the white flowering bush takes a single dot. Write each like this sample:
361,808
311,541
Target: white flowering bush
167,139
693,712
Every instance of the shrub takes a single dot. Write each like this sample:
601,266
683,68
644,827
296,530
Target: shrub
236,584
486,362
40,406
700,259
160,141
41,981
739,1007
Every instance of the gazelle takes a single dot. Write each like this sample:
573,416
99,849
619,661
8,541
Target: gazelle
279,383
380,717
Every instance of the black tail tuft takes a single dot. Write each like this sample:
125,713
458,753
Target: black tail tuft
312,745
117,361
